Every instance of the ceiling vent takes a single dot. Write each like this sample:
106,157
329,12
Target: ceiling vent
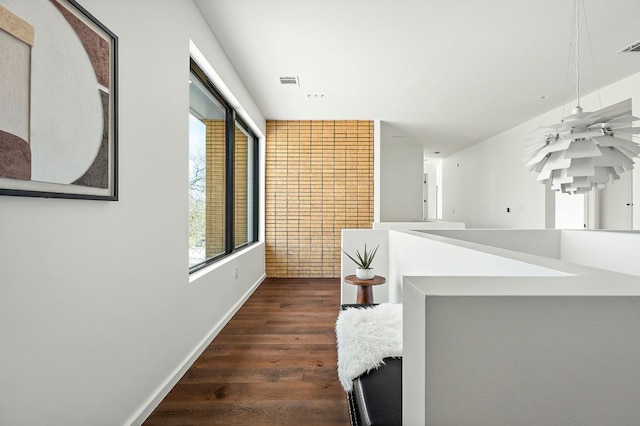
289,81
635,47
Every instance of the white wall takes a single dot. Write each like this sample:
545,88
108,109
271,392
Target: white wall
480,182
610,250
97,313
401,174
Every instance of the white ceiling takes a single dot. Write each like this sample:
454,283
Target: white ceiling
445,73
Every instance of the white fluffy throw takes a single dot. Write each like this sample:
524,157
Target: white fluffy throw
365,337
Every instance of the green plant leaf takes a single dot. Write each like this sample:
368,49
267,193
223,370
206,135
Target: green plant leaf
365,258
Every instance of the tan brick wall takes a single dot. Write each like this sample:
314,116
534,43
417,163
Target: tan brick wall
319,180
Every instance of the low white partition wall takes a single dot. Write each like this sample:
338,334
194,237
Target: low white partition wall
416,253
617,251
491,351
541,242
611,250
505,327
413,253
414,226
484,252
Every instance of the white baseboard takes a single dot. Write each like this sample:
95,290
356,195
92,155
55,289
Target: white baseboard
145,411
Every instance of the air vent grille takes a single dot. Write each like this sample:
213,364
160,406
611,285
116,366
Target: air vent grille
286,81
635,47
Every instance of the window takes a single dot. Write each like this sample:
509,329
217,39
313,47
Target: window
244,177
223,196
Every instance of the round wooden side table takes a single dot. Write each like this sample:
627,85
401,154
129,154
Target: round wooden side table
365,293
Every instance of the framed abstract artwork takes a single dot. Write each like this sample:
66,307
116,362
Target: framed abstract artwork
58,102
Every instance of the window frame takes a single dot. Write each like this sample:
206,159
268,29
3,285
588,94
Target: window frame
231,120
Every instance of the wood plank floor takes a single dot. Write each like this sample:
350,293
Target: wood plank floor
273,364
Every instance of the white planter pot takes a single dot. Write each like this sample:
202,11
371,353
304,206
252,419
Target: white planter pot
364,274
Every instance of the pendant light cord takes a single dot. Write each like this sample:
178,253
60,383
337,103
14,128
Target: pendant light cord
593,60
575,30
569,56
577,53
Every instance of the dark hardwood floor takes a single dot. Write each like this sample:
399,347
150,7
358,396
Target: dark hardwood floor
273,364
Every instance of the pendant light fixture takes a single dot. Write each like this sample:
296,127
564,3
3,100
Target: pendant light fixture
585,150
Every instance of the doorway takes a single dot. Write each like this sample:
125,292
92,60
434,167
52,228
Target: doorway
616,204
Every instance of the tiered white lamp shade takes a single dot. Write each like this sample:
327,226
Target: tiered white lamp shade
586,150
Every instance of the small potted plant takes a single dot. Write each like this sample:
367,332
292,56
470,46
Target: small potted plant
363,261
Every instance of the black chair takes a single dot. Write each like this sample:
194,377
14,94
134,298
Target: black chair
376,396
